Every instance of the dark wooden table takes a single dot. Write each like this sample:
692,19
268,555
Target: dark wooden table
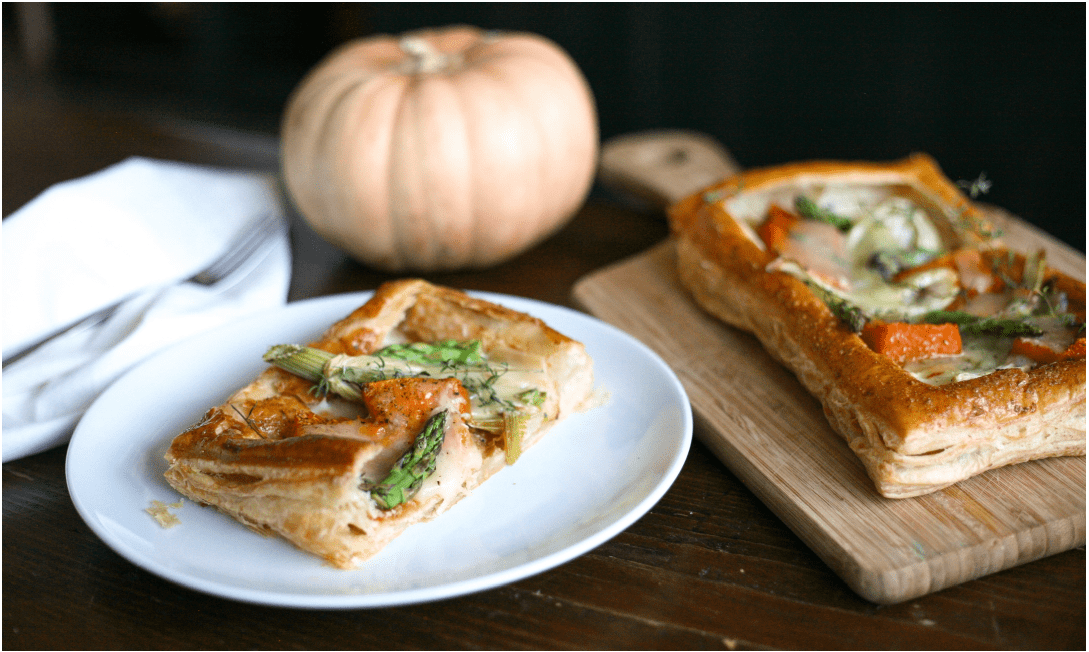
708,567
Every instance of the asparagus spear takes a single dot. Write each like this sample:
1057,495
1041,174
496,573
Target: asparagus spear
973,325
408,473
494,408
344,376
848,313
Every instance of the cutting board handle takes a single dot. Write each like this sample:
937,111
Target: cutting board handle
664,166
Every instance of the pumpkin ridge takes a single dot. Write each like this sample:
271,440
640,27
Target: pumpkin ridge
546,166
454,249
330,145
559,204
394,183
410,126
307,101
363,211
502,234
324,96
474,249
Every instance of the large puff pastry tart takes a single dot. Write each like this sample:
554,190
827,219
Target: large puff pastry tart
395,414
937,351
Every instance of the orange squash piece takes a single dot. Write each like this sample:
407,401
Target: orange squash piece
945,260
1075,350
1033,350
904,342
974,272
775,228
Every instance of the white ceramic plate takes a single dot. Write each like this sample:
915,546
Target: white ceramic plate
590,478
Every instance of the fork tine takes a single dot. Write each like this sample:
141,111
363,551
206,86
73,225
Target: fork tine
249,240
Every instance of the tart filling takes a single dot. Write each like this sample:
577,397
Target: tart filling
878,256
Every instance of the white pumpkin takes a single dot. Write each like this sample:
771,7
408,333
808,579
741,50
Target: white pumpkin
440,149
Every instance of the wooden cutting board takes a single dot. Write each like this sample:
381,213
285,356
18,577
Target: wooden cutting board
773,435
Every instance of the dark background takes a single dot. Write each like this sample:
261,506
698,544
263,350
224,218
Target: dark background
997,89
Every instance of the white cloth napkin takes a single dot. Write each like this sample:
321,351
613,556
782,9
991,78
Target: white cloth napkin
134,232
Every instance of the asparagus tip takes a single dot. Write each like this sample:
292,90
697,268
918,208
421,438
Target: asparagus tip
279,351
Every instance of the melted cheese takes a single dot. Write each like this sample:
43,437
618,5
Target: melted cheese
980,355
459,459
885,221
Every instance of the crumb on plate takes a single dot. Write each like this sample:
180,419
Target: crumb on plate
160,511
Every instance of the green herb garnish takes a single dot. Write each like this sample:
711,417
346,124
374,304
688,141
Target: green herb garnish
981,185
807,208
534,397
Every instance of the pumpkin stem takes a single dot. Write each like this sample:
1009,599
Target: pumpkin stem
425,58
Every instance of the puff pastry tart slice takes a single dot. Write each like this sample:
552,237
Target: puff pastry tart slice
395,414
937,351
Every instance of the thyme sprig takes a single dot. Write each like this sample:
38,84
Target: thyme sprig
975,188
981,185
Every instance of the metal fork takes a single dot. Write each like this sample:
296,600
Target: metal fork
249,241
252,237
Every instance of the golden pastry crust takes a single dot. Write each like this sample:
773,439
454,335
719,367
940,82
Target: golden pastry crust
285,461
913,438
